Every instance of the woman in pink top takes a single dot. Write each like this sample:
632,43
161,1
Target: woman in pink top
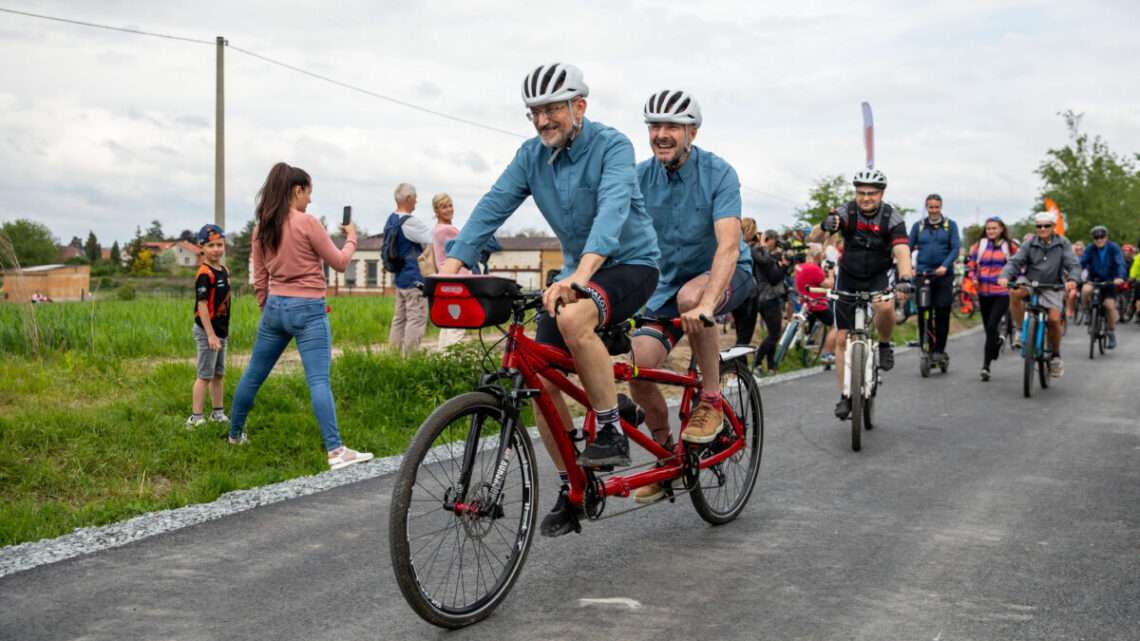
288,247
443,232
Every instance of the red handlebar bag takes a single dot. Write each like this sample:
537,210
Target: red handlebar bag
471,301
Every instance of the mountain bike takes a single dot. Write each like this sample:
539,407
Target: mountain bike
804,333
1035,348
1126,300
1098,319
926,325
464,505
860,360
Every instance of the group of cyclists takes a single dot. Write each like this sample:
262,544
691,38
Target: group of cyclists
665,235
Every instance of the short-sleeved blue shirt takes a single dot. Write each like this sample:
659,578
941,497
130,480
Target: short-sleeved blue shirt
684,205
588,195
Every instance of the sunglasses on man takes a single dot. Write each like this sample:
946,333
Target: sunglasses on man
1045,226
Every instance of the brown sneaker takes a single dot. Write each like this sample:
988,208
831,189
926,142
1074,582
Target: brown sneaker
704,424
649,493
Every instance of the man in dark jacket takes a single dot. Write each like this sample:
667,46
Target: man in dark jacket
937,242
1105,263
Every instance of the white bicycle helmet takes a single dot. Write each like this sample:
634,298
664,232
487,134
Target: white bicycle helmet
555,82
673,106
870,177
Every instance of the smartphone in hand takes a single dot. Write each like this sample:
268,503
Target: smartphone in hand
347,218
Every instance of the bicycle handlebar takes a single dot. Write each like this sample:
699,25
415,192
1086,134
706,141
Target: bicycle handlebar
1036,285
834,294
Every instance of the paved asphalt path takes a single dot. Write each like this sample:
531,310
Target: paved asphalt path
971,513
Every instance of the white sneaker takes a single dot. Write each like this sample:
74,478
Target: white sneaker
218,416
194,421
1056,368
241,440
343,457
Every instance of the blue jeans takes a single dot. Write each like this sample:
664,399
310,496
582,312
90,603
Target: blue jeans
283,319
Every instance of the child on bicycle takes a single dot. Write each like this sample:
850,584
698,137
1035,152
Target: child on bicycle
211,325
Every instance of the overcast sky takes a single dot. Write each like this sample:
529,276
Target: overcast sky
106,131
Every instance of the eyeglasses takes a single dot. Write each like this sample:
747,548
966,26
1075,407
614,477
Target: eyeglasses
548,111
1045,226
868,193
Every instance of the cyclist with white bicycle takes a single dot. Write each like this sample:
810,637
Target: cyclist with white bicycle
1105,264
1046,258
874,239
693,197
582,177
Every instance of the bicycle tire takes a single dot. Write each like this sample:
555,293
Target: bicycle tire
857,358
785,342
740,470
1043,372
1030,358
869,407
445,448
1094,325
809,356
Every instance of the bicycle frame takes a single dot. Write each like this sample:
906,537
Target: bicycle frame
1034,308
525,362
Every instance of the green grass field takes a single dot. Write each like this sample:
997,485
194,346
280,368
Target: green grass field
92,416
160,326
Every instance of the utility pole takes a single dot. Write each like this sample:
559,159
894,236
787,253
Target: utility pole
220,139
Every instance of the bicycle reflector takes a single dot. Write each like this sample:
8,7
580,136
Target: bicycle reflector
470,302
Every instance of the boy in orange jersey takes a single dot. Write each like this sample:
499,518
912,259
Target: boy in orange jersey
211,324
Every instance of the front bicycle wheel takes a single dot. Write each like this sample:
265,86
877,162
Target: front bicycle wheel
813,349
1094,327
857,405
786,342
723,490
1029,342
457,551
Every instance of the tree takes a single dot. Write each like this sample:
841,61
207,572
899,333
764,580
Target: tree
828,193
154,232
971,234
32,244
1091,184
188,236
238,262
143,264
135,247
116,260
92,249
76,242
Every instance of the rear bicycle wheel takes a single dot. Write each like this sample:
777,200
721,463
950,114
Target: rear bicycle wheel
1029,342
857,405
455,567
1043,372
723,490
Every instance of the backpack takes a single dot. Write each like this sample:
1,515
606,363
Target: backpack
390,252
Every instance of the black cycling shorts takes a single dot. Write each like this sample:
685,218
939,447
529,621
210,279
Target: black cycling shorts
1108,291
739,290
845,308
618,291
824,316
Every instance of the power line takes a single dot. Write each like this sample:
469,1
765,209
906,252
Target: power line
137,32
373,94
345,85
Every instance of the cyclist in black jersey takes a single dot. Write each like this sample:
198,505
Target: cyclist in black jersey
874,239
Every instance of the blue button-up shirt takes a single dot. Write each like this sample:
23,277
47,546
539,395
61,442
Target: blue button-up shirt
684,205
588,195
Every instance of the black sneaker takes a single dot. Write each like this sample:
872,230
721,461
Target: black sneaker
563,519
843,408
886,357
610,447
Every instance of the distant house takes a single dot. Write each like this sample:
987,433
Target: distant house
67,252
179,254
57,282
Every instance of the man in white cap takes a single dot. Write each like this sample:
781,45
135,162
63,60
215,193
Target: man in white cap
1047,259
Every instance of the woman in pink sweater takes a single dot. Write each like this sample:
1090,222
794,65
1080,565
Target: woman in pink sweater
288,247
